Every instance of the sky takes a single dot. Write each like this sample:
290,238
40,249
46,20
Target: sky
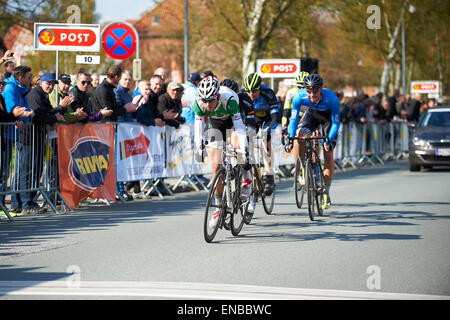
112,10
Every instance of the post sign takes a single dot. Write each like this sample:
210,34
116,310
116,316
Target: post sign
278,68
425,87
67,37
119,40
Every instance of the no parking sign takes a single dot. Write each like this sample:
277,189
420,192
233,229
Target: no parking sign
119,40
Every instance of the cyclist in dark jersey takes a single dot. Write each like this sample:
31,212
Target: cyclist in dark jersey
266,109
322,108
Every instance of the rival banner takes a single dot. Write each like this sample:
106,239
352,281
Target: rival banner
86,162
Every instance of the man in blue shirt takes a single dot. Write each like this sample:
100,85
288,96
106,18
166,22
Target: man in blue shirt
189,96
322,108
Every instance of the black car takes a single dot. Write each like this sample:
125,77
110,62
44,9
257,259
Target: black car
430,144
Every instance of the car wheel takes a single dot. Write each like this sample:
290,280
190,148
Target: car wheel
414,167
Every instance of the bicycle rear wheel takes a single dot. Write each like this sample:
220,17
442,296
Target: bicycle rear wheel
210,231
267,200
239,208
320,188
299,183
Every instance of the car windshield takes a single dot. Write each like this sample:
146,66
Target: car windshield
436,119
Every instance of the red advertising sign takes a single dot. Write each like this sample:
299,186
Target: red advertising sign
66,37
425,87
278,68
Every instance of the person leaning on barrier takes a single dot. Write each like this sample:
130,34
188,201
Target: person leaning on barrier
62,89
189,96
169,104
32,142
104,97
124,96
81,104
156,83
6,138
144,114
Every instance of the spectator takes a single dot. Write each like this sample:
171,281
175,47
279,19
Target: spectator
9,64
6,142
423,109
124,97
431,103
62,89
163,74
385,111
104,97
169,105
32,142
189,96
144,114
156,84
95,80
79,109
16,88
359,108
346,109
393,100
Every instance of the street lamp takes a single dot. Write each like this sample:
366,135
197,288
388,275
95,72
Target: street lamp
411,9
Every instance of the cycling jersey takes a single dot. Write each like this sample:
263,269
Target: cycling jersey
227,108
288,105
328,106
266,104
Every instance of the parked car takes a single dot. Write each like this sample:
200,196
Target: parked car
430,144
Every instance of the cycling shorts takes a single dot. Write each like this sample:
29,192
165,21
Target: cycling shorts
311,121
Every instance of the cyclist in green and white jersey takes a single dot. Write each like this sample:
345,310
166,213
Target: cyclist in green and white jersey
221,108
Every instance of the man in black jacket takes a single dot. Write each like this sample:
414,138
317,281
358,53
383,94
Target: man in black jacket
32,141
169,105
104,97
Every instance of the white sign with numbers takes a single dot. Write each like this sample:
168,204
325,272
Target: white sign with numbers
84,59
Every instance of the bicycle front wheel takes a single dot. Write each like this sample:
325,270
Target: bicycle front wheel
239,208
213,210
310,187
299,183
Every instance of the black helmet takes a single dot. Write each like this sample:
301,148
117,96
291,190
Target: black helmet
313,81
252,82
230,83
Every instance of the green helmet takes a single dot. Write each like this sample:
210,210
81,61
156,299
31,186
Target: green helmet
299,79
252,82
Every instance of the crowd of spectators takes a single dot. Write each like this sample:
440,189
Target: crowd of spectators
382,109
44,101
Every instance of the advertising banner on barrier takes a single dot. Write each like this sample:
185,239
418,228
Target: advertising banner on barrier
86,162
140,152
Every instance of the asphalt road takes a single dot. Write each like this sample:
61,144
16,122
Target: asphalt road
386,236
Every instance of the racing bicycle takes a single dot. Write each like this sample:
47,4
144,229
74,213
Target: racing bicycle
232,207
308,179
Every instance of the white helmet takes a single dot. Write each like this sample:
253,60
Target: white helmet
208,88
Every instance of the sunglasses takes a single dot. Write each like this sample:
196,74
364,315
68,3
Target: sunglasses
2,83
84,82
312,90
300,86
208,100
254,90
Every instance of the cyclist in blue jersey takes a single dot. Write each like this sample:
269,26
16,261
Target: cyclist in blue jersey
266,109
322,108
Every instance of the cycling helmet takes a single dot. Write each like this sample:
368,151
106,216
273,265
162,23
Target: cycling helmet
313,81
230,83
299,79
252,82
208,88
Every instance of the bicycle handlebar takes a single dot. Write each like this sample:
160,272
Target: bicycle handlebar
309,138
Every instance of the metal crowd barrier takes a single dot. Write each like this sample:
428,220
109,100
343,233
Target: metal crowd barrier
27,170
362,143
29,162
